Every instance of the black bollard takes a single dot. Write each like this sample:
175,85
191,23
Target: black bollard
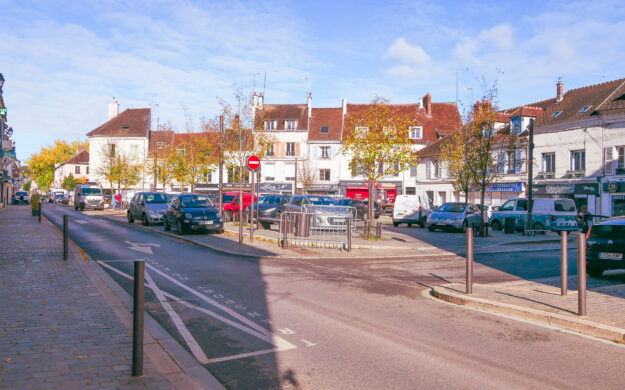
137,318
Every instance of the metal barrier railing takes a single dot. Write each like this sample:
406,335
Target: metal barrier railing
337,210
316,228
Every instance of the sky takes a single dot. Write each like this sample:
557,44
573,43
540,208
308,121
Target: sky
64,61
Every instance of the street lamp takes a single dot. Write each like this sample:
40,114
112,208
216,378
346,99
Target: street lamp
1,82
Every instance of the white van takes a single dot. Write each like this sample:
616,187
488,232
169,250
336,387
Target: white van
88,196
411,209
556,214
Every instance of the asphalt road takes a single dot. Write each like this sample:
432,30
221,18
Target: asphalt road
346,323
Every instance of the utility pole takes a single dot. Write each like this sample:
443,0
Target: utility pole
238,125
295,179
221,164
530,174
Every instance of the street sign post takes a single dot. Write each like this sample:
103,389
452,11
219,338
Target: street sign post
253,163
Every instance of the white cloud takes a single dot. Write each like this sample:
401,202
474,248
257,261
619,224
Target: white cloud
407,53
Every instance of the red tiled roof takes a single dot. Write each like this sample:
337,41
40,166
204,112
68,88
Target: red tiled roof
282,112
133,122
164,136
331,117
80,158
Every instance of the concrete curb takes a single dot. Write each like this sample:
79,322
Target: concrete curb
166,354
555,320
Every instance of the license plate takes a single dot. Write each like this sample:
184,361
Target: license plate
206,222
610,256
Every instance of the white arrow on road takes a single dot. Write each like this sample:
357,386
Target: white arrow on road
142,247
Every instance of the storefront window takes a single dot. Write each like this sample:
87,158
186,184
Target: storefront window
618,205
620,165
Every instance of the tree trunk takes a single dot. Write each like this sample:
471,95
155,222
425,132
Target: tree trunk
482,194
371,209
241,203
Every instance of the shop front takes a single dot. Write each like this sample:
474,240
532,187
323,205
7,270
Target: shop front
384,192
583,193
614,197
498,193
323,189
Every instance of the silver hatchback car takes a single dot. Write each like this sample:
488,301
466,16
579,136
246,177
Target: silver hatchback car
149,207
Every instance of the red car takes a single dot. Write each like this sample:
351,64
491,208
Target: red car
231,204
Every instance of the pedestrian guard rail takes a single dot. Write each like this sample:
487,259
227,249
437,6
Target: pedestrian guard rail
318,226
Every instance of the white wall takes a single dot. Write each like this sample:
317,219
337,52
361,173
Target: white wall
134,147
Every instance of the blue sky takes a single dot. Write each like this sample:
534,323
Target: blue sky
63,61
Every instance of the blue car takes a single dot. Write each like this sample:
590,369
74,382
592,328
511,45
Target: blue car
454,216
193,212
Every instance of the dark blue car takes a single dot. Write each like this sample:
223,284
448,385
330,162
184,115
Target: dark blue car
193,212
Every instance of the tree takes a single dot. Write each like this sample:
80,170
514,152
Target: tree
42,164
377,141
27,186
306,174
69,182
118,168
455,151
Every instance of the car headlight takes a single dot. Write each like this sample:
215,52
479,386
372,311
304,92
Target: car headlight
218,215
188,216
270,210
153,213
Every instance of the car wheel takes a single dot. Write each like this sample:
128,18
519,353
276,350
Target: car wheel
130,218
265,225
538,226
179,227
594,271
422,223
395,224
463,229
409,225
166,226
145,220
496,225
431,228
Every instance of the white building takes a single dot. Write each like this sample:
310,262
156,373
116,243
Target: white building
77,166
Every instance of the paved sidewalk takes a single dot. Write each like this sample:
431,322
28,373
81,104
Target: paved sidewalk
540,301
393,245
57,328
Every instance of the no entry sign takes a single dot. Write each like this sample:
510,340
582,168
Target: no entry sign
253,162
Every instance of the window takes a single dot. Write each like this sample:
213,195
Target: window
521,205
270,151
324,174
271,125
432,171
508,206
411,191
324,152
159,145
208,177
578,160
584,109
111,149
134,151
415,132
180,151
324,129
77,170
361,132
389,131
87,170
556,114
290,124
549,163
511,162
515,161
620,164
515,125
290,149
413,173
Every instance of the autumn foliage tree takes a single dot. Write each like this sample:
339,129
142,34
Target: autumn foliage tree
377,141
42,164
455,152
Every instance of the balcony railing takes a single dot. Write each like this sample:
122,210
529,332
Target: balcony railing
576,173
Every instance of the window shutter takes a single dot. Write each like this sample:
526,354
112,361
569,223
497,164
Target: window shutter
428,169
413,171
316,151
297,149
502,162
518,160
608,162
333,151
441,170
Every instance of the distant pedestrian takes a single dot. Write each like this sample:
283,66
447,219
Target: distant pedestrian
583,218
118,199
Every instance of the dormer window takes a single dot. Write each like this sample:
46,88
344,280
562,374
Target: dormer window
556,114
584,109
415,132
271,125
324,129
361,131
290,124
126,127
159,145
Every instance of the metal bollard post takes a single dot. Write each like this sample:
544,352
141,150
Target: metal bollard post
469,260
349,234
564,262
283,226
581,274
137,318
40,210
65,236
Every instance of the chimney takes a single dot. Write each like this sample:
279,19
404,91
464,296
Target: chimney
236,122
113,109
427,104
80,150
260,101
255,100
309,104
344,103
559,90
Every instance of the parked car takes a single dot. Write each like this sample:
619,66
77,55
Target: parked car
149,207
299,203
45,198
556,214
231,206
454,215
488,211
605,246
20,197
327,215
411,209
88,196
377,208
192,212
60,198
268,207
362,210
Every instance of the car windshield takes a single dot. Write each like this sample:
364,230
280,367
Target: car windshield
321,200
91,191
344,202
607,231
156,198
228,198
453,207
195,201
21,193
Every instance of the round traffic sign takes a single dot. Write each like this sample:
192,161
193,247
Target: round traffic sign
253,162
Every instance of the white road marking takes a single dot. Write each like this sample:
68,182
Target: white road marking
184,332
142,247
81,221
308,343
278,342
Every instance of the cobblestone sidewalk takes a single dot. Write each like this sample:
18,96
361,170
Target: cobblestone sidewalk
56,331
